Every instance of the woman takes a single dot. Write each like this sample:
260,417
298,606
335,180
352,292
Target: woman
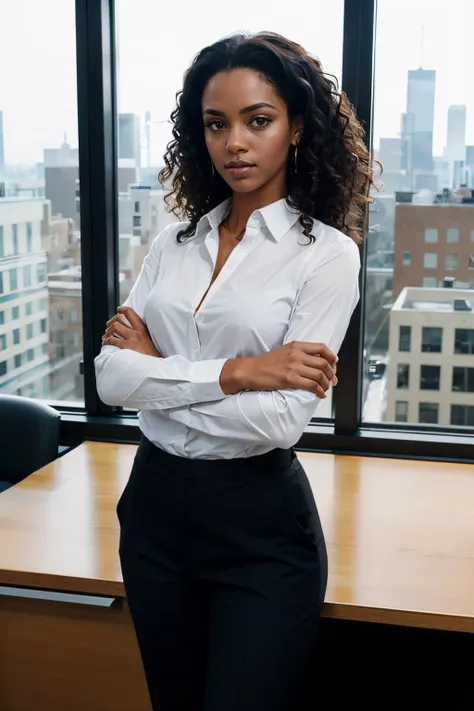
226,344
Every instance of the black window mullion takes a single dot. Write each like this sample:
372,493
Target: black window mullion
95,38
357,82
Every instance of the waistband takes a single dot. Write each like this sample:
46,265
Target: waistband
213,468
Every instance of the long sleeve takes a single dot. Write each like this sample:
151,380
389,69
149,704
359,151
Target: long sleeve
133,380
278,418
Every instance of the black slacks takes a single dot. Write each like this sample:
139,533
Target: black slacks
225,570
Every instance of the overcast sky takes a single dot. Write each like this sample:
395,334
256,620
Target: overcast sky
38,66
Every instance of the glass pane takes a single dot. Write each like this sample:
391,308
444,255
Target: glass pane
424,137
149,79
40,265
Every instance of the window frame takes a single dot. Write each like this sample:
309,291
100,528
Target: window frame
96,87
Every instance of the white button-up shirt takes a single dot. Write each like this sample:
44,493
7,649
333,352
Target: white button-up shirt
274,288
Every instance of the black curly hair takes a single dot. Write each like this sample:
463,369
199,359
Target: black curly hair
335,172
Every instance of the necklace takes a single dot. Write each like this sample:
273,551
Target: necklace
238,236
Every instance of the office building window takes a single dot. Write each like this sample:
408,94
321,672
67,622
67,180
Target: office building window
428,413
404,339
464,340
137,206
403,376
41,273
453,235
27,276
73,316
13,280
15,312
137,221
463,380
401,411
29,308
44,347
471,261
16,336
430,282
18,361
3,342
44,325
3,368
15,239
462,415
431,339
430,377
431,235
1,282
430,260
2,318
2,246
452,262
406,259
30,354
29,237
29,332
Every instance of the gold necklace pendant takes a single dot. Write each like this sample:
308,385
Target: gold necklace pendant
239,236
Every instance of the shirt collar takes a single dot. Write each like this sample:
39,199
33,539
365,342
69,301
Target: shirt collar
278,218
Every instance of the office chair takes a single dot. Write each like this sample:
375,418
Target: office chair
29,438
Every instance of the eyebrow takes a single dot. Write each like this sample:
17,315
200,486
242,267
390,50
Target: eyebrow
246,110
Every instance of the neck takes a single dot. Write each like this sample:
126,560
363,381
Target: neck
243,204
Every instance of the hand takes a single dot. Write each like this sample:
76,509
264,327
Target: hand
134,334
296,365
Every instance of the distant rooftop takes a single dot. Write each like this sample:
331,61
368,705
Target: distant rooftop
440,300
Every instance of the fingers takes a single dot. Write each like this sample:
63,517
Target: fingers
113,341
312,387
118,318
132,316
318,377
119,328
320,364
320,349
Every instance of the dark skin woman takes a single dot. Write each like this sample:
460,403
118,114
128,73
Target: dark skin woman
222,550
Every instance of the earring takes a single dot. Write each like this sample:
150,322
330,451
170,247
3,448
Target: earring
212,169
296,158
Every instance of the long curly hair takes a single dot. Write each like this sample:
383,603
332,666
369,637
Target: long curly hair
335,172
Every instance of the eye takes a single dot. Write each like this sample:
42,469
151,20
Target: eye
261,121
215,125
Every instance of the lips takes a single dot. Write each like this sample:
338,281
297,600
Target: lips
239,168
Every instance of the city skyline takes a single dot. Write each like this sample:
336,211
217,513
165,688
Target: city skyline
49,83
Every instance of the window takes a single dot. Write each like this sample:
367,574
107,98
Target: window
137,221
452,262
73,316
29,237
471,235
431,235
29,332
16,336
453,235
30,355
29,308
406,259
2,245
15,312
430,260
463,380
401,411
13,280
2,318
462,415
3,342
41,273
464,340
44,325
15,239
404,339
431,340
430,282
403,376
3,368
1,282
428,413
137,206
430,377
18,360
471,261
27,276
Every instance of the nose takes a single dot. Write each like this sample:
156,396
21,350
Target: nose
235,142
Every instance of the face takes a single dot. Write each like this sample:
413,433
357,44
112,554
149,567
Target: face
247,130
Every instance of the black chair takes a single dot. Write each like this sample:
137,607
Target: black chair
29,438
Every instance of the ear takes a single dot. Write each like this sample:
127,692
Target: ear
297,126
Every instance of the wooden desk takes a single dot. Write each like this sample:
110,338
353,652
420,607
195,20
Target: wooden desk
400,538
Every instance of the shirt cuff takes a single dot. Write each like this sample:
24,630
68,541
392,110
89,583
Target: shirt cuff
206,380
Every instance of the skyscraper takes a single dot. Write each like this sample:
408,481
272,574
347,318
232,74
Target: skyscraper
455,150
129,138
2,150
420,109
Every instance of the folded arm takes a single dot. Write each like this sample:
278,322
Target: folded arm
279,418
